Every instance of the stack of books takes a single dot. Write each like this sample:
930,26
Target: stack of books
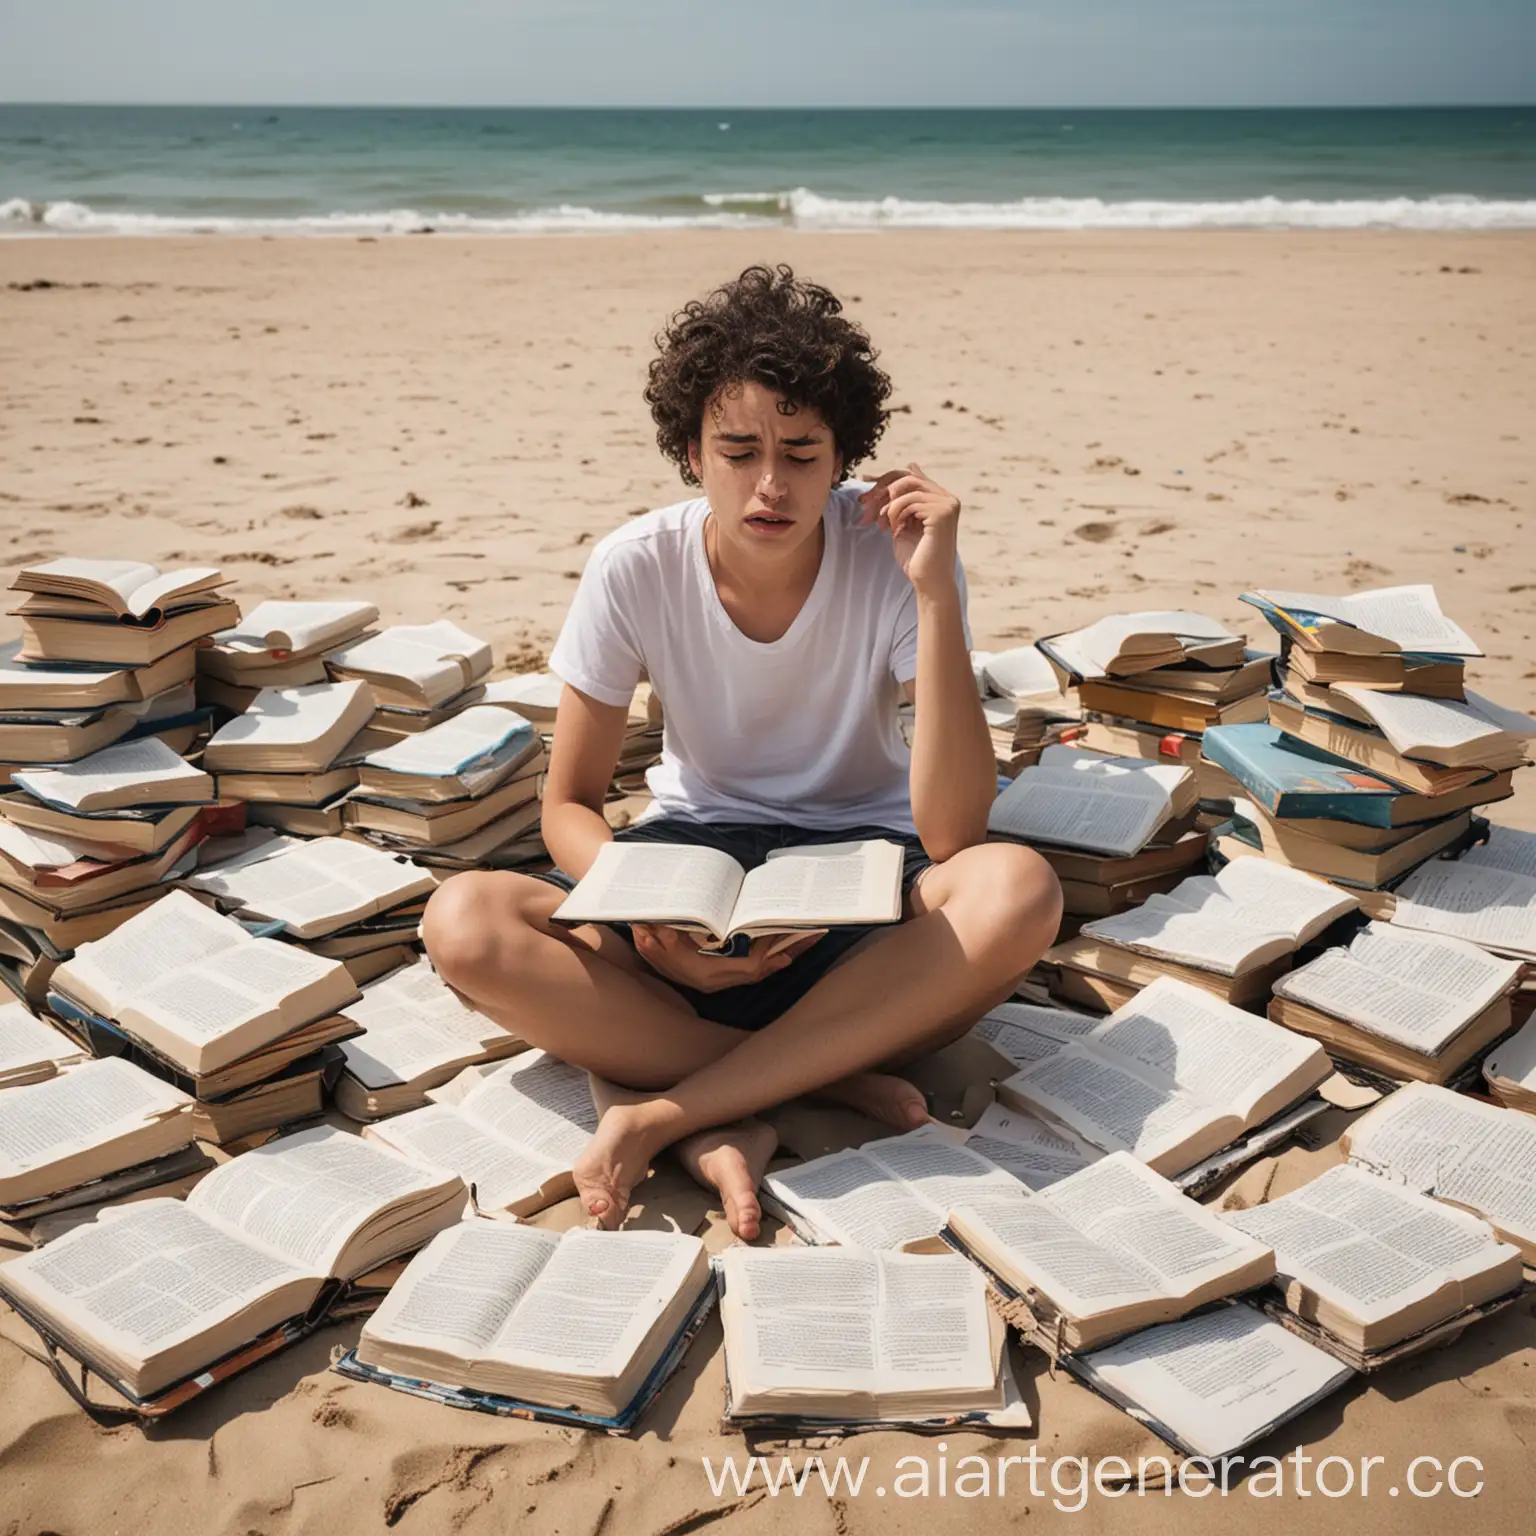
1115,829
288,756
339,899
1025,705
1232,935
420,674
463,794
277,645
86,844
237,1022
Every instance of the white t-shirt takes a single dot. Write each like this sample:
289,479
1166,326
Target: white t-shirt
802,729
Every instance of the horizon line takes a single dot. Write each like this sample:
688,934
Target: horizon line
450,106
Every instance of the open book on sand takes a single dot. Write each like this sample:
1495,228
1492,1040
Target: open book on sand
1373,1263
31,1051
850,1335
417,1033
578,1321
152,1292
94,1120
1076,799
1470,1154
1473,899
197,987
1211,1384
1171,1077
1107,1250
1406,1004
511,1131
704,891
1366,623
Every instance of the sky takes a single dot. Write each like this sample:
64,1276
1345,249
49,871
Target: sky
898,53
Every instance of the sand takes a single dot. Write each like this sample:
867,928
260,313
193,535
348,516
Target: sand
442,426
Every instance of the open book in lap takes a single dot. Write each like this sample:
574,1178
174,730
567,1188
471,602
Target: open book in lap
1373,1262
151,1292
851,1335
704,891
1107,1250
1171,1077
575,1321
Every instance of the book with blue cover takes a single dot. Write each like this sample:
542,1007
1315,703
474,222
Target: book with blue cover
1292,780
1390,619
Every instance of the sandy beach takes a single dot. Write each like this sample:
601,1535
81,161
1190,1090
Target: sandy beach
442,426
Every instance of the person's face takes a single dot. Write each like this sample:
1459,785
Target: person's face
766,475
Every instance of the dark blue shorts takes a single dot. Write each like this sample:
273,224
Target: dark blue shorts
749,843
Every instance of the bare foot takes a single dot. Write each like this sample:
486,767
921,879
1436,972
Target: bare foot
615,1160
882,1096
732,1159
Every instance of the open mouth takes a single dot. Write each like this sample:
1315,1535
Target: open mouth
769,521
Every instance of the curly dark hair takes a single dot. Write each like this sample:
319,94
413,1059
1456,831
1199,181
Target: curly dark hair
770,328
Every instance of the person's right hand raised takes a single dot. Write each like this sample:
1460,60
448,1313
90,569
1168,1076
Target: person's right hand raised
675,955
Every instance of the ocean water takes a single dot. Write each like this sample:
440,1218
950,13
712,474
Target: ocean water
67,170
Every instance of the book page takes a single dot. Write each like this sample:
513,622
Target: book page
1486,906
154,592
941,1173
851,1199
1114,1107
1514,1060
1217,936
295,626
304,1196
1410,617
123,765
809,1314
1372,1246
1288,899
1443,1144
1229,1058
538,1102
1411,722
26,1041
656,882
412,1023
932,1326
480,733
1026,1032
1023,672
1508,849
1092,650
1084,800
281,717
119,576
146,1275
176,932
595,1300
440,658
86,1107
1216,1380
1420,991
1035,1153
837,881
538,692
458,1292
1142,1219
439,1137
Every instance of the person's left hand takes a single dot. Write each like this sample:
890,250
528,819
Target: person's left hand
923,519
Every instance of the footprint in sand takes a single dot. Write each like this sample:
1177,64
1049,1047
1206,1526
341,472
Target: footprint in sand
412,532
1094,533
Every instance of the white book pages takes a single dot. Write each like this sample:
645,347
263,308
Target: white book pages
1514,1060
41,1123
536,1101
412,1023
1023,673
499,1170
1417,989
26,1041
1082,800
1482,904
645,882
535,695
1026,1032
1299,903
471,737
1216,935
439,659
1225,1056
1508,849
120,576
851,1199
1457,1149
304,1196
123,765
275,625
1416,726
46,680
459,1291
1091,651
145,1276
595,1300
1216,1381
826,882
942,1174
1367,1244
43,850
1409,617
286,717
1035,1153
153,593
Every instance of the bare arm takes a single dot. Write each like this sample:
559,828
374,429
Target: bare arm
588,739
